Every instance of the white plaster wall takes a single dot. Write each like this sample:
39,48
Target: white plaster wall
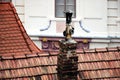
118,19
93,14
35,14
19,5
37,41
103,43
113,28
98,45
114,44
38,44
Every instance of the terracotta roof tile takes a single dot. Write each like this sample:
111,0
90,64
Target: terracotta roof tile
13,37
91,66
20,59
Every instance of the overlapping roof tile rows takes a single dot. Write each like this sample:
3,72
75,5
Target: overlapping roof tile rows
100,64
28,66
13,37
92,64
20,59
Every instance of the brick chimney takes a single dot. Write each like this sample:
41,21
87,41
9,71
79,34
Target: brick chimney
67,59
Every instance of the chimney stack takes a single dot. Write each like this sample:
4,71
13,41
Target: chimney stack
67,59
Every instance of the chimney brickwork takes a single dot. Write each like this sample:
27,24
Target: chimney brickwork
67,61
67,66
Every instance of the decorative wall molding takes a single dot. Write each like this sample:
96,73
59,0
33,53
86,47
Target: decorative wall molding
52,43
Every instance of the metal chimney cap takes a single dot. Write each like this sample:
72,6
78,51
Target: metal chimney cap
68,11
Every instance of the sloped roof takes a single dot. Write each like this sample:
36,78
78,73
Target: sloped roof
92,64
21,59
13,37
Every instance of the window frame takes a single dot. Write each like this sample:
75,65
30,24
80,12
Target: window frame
65,9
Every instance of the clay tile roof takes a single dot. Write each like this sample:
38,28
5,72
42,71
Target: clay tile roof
20,58
101,64
13,37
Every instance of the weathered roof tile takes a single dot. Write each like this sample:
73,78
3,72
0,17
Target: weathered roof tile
13,37
20,59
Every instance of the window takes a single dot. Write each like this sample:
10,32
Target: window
64,5
5,0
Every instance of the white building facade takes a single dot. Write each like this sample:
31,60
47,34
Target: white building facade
97,20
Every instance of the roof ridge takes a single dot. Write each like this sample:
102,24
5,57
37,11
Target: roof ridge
22,29
20,24
96,50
